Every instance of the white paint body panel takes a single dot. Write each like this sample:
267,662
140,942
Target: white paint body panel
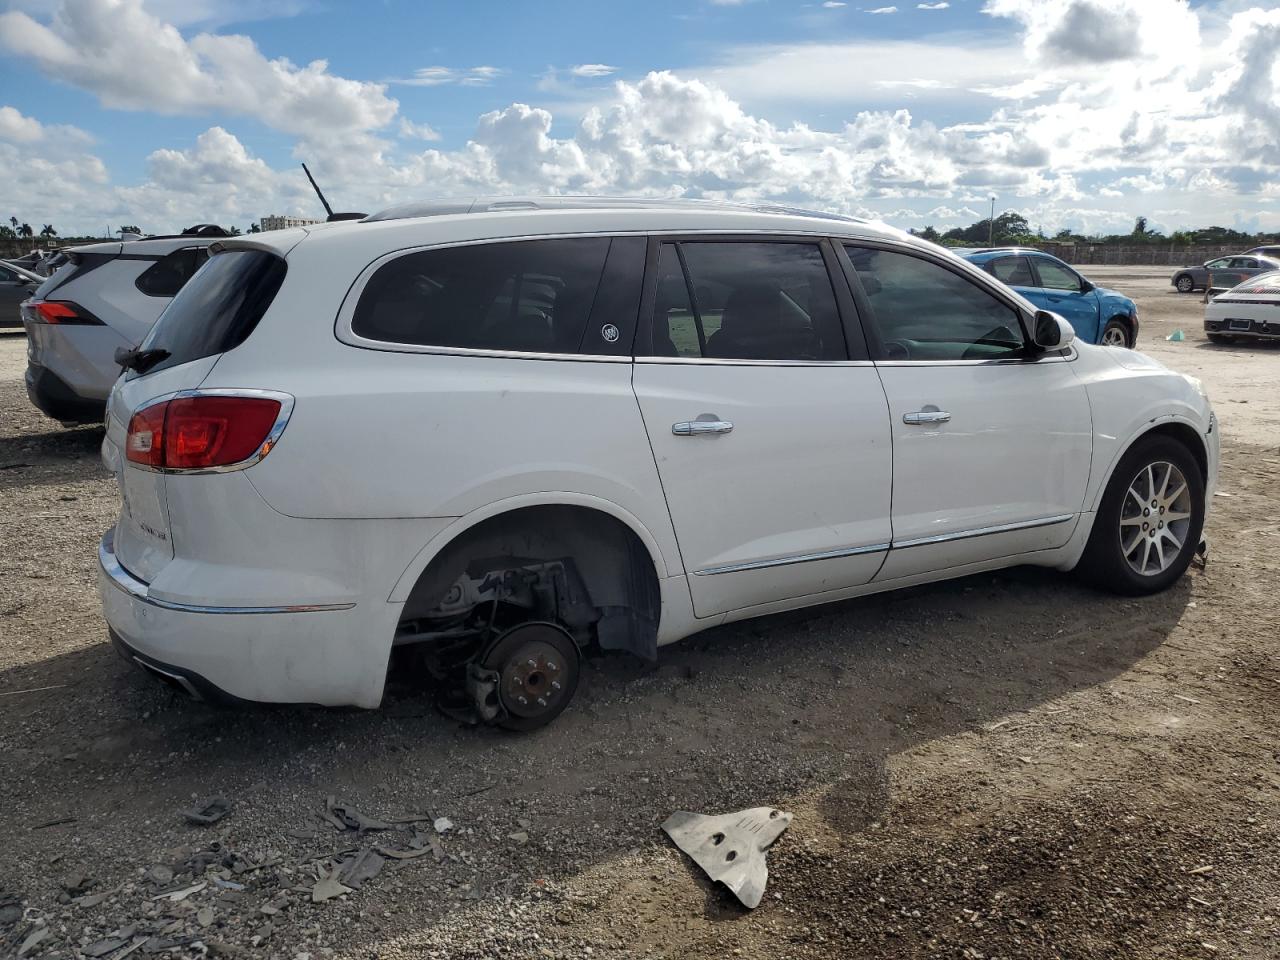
390,455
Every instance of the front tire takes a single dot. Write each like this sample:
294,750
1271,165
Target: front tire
1220,338
1115,334
1184,283
1148,527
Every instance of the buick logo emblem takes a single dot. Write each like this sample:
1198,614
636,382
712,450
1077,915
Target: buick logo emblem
610,333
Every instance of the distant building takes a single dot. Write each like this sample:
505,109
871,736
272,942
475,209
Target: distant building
274,222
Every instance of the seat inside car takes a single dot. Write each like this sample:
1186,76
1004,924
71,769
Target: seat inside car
753,326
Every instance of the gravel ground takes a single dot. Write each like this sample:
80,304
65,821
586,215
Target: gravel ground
1004,766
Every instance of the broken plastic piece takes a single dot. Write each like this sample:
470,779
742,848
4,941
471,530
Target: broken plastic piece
328,887
730,848
175,895
207,811
1177,336
365,865
442,824
346,817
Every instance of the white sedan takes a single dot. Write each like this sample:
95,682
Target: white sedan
1248,311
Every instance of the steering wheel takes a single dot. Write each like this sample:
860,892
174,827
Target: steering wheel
896,350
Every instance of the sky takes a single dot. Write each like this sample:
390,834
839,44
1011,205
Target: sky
1078,114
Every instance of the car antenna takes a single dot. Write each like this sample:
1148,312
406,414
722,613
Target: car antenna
332,217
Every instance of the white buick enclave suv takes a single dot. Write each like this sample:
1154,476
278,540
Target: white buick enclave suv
507,432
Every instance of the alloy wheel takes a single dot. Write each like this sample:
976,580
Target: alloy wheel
1114,336
1155,518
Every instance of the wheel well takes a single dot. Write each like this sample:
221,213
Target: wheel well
1189,438
615,567
1124,320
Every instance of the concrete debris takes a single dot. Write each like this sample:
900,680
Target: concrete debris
520,836
442,824
205,916
731,848
76,884
207,811
346,817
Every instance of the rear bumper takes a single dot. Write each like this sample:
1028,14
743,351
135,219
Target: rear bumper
1256,328
55,398
313,653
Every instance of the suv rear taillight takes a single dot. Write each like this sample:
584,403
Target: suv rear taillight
62,312
207,431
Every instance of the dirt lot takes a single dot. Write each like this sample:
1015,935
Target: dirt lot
1000,767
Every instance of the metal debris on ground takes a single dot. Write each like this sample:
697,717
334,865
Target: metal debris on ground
730,848
346,817
207,811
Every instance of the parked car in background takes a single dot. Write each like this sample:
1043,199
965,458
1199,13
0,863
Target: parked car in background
1269,250
105,297
1222,272
16,285
495,438
1248,311
1098,315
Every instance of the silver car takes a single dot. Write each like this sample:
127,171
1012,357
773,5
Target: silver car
1222,272
16,285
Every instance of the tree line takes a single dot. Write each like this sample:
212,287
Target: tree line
1012,229
16,229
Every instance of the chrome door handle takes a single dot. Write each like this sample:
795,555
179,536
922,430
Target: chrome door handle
926,417
696,428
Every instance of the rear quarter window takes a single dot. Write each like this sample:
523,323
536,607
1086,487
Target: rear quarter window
166,276
218,308
531,296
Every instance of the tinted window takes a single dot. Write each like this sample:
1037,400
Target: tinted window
1217,264
531,295
1055,276
7,276
218,309
923,311
1247,262
166,276
1015,271
746,301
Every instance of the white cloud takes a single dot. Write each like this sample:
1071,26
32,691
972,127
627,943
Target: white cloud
131,60
465,76
592,70
417,131
884,10
834,4
940,5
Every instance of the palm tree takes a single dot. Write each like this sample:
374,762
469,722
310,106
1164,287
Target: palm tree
14,221
26,231
254,228
48,231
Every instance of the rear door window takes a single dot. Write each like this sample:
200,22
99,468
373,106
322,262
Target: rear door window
530,296
745,301
218,309
168,275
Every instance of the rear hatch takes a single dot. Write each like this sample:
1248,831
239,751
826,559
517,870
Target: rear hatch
214,312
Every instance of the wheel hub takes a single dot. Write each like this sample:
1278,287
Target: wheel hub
1155,518
537,670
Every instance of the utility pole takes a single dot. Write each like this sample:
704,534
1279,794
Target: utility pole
991,225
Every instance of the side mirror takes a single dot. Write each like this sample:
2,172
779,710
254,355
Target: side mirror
1050,332
1086,286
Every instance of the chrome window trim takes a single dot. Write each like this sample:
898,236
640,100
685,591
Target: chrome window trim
286,401
787,561
139,590
984,531
723,362
1068,357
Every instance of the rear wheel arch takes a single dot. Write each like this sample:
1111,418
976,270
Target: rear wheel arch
617,562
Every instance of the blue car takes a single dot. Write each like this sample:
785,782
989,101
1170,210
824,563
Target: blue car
1098,315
